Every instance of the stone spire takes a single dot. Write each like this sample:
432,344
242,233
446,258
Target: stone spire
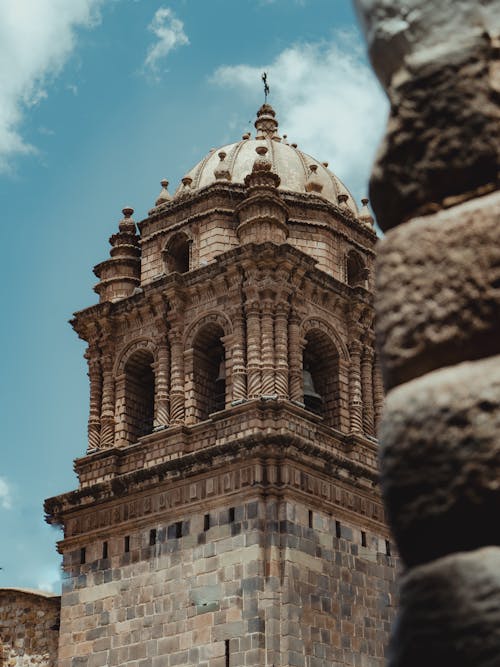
263,215
164,195
364,215
266,123
121,274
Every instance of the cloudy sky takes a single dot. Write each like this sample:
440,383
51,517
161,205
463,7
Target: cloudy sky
100,100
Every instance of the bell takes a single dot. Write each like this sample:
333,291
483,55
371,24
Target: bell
221,376
309,390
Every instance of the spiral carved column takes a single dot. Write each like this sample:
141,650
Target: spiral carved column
281,349
367,388
239,375
108,403
177,394
162,375
254,375
95,378
355,396
378,393
267,347
295,349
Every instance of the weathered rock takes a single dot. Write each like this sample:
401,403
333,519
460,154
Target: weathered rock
440,461
438,290
443,136
450,613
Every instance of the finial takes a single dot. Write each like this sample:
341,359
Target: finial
266,123
342,199
246,135
364,215
313,183
221,172
186,181
261,150
293,145
325,164
127,224
164,195
266,86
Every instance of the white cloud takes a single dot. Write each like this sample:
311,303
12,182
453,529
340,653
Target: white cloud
36,39
326,99
169,31
5,494
49,580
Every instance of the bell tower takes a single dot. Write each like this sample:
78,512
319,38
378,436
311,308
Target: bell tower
227,512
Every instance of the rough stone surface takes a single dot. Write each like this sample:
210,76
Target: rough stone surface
450,613
440,460
29,628
271,579
438,290
433,75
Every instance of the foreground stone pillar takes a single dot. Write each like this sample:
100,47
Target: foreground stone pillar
434,189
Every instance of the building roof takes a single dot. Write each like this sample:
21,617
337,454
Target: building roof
298,172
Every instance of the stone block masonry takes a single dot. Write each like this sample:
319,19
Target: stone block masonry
266,582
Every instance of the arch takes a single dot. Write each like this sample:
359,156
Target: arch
322,325
209,386
130,348
321,376
355,269
213,317
177,253
139,394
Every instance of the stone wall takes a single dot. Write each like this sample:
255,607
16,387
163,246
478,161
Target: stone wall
29,628
264,582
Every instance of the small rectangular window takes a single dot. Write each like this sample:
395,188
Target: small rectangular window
226,646
126,543
152,537
310,519
178,529
231,515
363,538
83,555
338,529
104,550
206,522
388,547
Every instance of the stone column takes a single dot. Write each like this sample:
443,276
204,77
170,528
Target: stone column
267,347
355,401
238,371
254,377
108,403
177,390
281,349
95,378
367,388
378,392
122,434
162,375
295,351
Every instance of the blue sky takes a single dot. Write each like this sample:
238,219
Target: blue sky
100,100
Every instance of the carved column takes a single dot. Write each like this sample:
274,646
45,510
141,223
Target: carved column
95,378
108,402
253,349
281,349
267,347
177,378
162,374
367,388
295,349
238,371
378,393
355,401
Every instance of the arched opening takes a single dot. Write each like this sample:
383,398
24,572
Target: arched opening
139,395
177,253
209,371
321,377
355,270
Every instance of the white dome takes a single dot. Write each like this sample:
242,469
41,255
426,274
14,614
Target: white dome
288,162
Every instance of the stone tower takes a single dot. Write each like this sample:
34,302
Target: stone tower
227,511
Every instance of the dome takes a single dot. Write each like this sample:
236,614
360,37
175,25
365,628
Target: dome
298,171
